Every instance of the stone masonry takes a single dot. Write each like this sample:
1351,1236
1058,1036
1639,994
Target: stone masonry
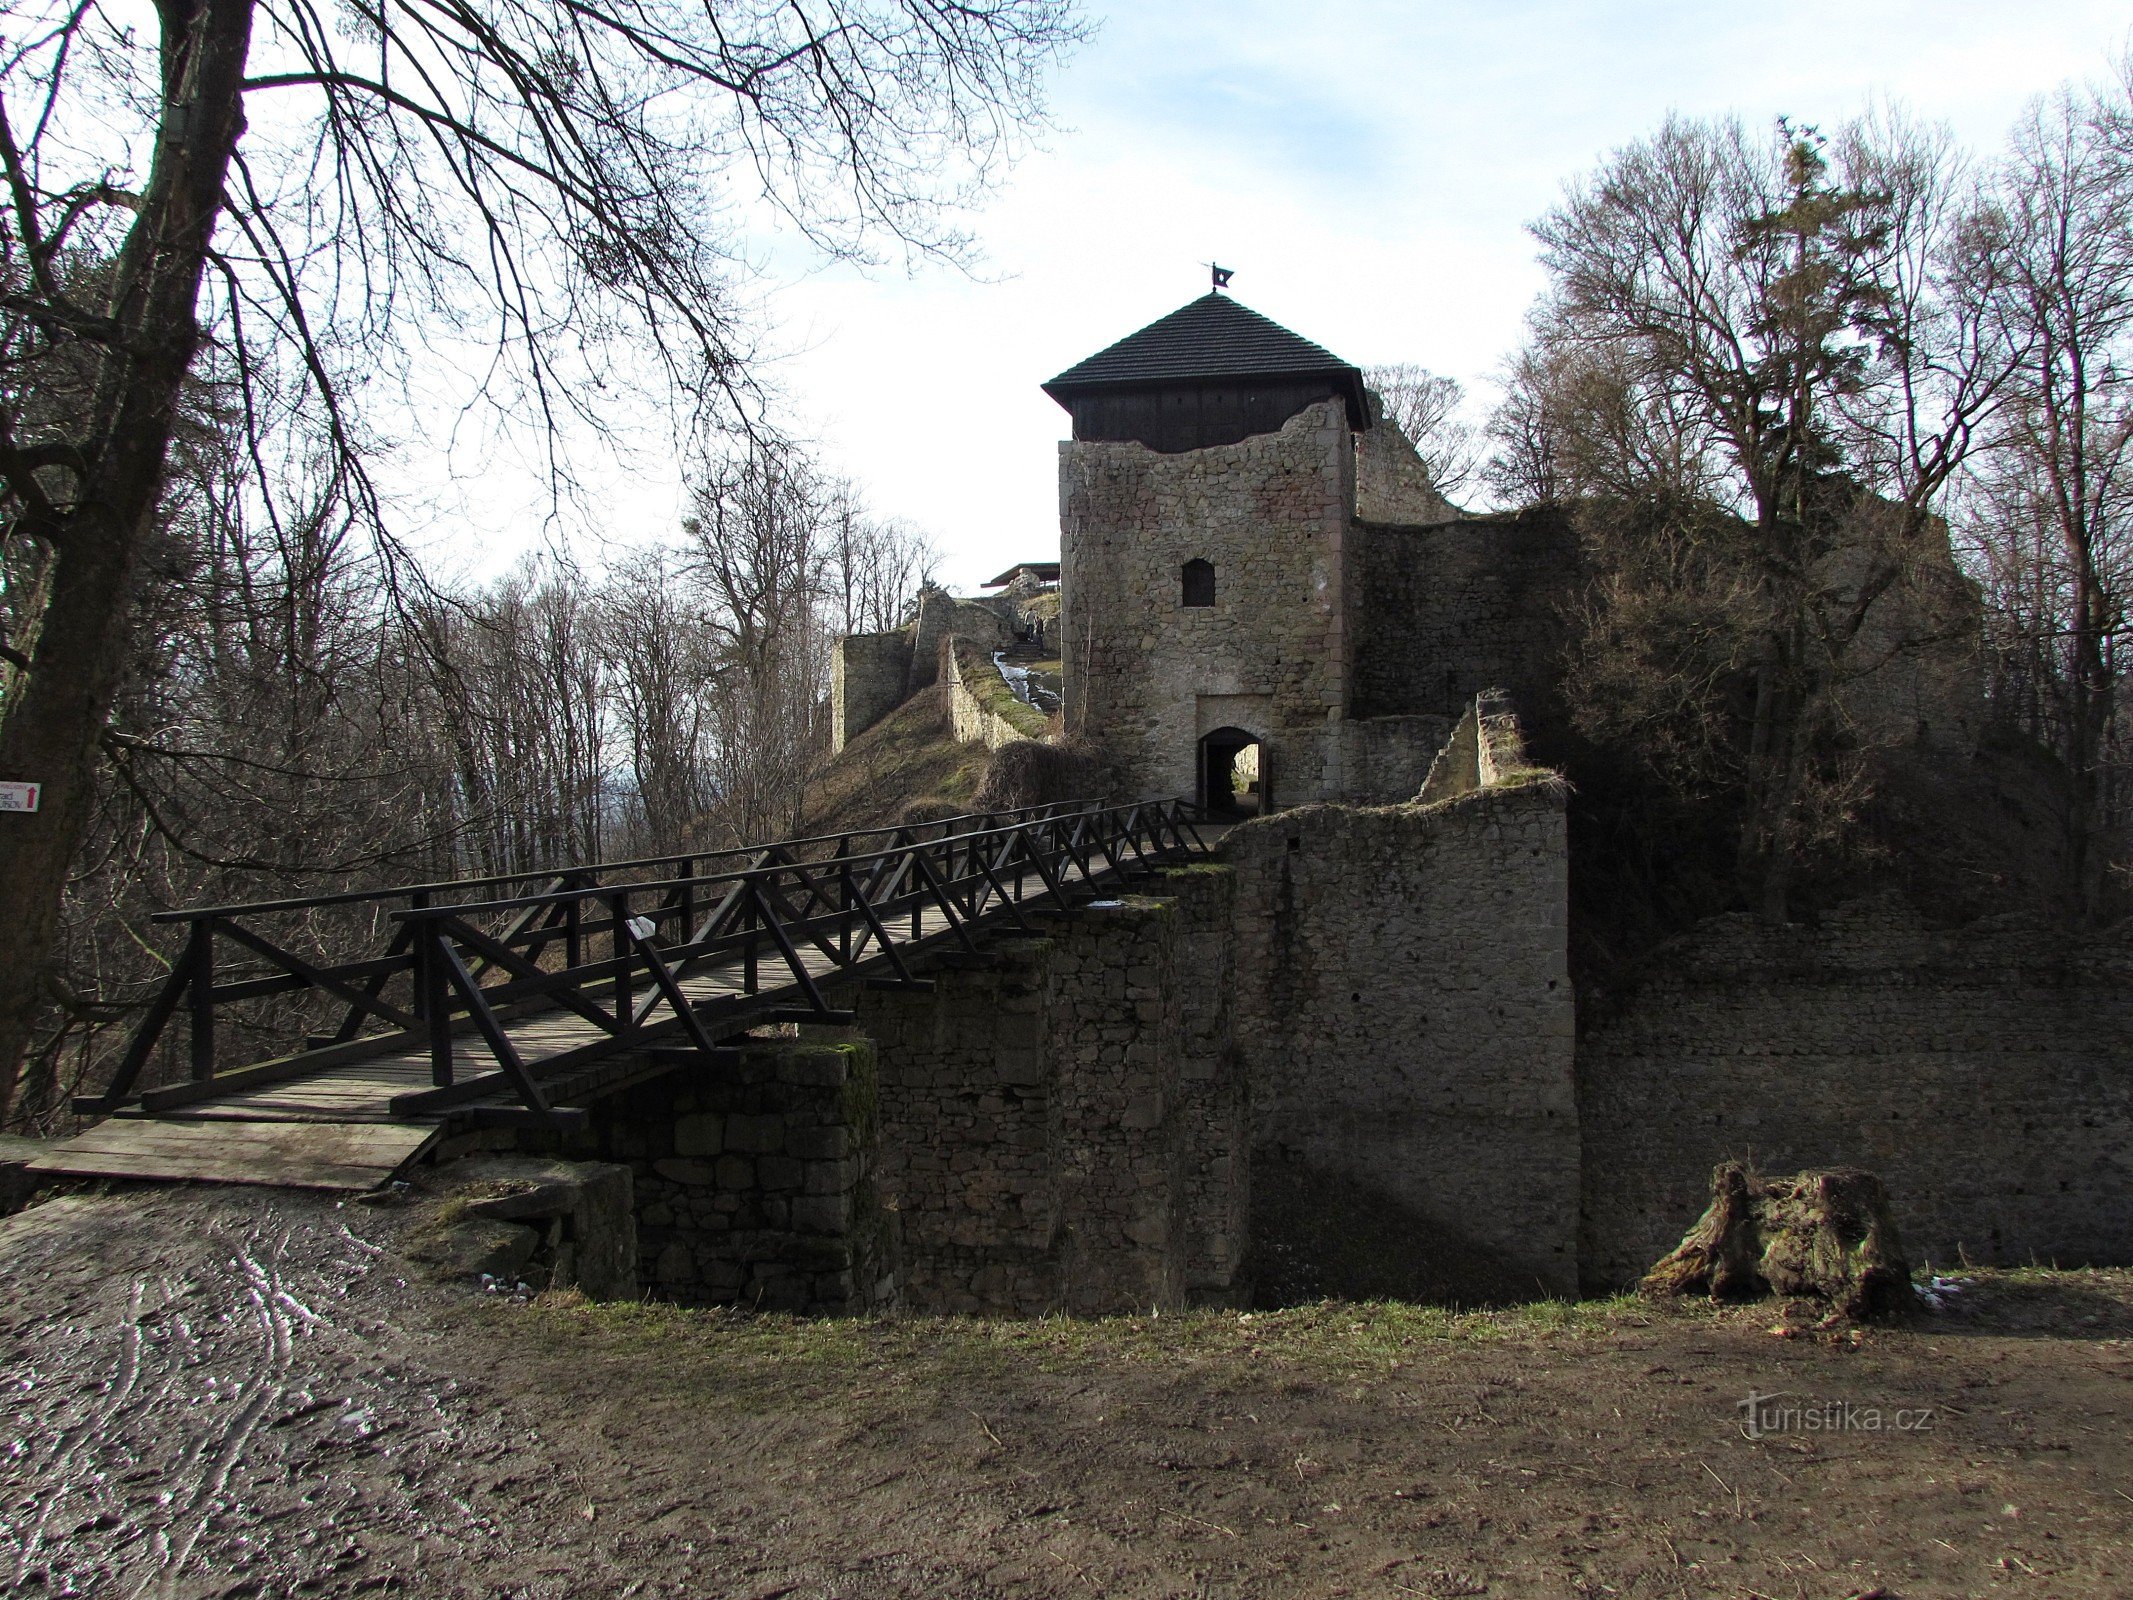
754,1179
1981,1072
1271,514
868,672
1058,1120
1405,1017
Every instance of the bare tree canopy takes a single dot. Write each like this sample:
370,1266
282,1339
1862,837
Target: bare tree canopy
1760,361
2047,513
290,201
1428,409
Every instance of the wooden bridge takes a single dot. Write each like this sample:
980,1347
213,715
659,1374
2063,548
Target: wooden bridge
517,1000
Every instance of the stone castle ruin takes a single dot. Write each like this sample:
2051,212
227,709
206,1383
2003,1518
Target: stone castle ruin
1346,1055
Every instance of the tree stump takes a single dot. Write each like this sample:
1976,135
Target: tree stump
1823,1235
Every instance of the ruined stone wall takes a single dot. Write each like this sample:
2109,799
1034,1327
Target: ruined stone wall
1392,483
981,707
1385,760
967,1165
1922,678
1405,1020
1445,612
941,616
1983,1073
1060,1120
753,1179
1147,676
868,672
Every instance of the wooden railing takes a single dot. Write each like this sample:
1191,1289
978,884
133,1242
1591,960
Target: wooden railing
613,944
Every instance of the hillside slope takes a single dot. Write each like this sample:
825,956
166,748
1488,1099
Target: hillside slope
907,763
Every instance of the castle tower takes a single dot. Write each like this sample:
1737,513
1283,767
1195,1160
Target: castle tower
1207,504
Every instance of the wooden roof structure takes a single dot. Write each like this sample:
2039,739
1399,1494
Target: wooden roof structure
1211,340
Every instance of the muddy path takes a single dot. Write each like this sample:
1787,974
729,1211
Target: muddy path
248,1393
233,1393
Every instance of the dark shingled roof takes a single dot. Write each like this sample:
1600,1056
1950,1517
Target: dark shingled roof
1211,339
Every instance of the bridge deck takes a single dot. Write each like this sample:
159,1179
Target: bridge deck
333,1123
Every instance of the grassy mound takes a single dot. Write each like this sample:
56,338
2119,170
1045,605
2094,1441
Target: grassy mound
909,760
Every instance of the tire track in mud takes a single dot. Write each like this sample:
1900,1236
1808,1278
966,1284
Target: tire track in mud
265,1381
214,1395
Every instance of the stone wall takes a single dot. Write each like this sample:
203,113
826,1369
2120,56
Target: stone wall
968,1167
754,1179
1385,760
1485,750
868,672
1391,481
1405,1020
1447,611
1118,1043
1211,1109
982,708
1060,1118
1143,670
1983,1073
941,616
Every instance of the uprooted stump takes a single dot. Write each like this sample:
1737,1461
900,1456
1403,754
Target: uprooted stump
1825,1235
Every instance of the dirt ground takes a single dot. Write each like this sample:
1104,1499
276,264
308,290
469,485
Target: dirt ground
239,1393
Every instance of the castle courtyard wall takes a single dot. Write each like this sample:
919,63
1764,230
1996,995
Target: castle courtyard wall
1449,611
1985,1073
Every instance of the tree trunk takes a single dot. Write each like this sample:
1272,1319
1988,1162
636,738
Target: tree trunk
52,726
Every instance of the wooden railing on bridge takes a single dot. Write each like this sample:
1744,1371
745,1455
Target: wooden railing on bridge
620,946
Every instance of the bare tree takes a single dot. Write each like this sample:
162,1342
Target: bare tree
1771,356
663,664
312,192
2050,513
1429,410
876,567
757,543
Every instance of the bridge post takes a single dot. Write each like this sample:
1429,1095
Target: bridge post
688,898
200,964
748,946
430,972
618,905
844,898
418,988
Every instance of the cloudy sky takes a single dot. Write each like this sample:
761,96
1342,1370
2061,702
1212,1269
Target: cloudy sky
1367,168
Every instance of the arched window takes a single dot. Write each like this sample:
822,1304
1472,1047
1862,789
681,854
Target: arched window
1199,582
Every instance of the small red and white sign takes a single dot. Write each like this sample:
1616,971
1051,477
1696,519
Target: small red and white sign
20,796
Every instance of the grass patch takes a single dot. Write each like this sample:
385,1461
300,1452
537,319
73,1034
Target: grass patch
748,1359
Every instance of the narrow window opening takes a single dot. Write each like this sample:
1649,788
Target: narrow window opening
1199,582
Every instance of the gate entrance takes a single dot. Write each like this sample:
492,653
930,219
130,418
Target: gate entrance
1233,774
